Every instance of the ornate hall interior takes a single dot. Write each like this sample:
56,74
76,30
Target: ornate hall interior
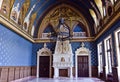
59,40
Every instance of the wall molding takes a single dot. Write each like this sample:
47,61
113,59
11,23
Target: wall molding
84,39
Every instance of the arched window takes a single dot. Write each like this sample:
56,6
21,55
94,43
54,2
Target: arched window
79,31
47,33
78,28
48,29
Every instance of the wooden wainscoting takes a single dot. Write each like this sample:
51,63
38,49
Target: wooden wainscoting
94,71
73,71
10,73
33,70
104,73
115,74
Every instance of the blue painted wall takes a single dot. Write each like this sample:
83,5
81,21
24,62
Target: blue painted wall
38,46
78,28
91,46
75,45
14,50
48,29
114,27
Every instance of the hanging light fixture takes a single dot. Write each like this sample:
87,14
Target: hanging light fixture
63,31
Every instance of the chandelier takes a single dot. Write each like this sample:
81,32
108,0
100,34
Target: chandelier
62,32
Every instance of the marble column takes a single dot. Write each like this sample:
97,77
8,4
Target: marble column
56,72
71,72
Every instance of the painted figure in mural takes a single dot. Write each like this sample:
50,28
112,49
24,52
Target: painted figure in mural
24,6
27,19
5,6
15,12
4,9
32,31
1,1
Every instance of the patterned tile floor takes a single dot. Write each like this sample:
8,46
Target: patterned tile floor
61,79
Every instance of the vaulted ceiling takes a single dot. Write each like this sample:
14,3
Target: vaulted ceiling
30,14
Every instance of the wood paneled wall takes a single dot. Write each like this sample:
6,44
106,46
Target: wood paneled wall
11,73
115,74
94,71
110,77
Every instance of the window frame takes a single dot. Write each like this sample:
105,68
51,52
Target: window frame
108,59
117,45
100,58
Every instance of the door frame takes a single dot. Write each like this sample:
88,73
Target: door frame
82,63
44,52
82,51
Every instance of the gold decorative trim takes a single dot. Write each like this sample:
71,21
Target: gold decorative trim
89,39
11,25
108,25
117,5
46,21
15,28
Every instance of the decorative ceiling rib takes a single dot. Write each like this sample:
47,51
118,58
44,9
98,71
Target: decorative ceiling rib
28,15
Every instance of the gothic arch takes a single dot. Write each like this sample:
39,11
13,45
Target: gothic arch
54,20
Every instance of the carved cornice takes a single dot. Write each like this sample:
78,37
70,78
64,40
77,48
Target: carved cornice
9,24
109,23
72,40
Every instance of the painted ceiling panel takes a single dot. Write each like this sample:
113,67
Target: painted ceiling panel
29,14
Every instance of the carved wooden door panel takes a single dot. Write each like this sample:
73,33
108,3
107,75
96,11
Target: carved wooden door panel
83,66
44,65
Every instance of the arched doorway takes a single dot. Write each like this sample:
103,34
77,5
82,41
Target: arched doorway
82,62
44,59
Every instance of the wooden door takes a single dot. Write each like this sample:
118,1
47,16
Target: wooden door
83,66
44,65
